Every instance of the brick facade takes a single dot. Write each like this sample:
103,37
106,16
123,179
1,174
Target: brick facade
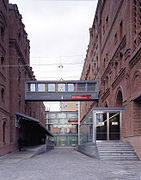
14,70
114,59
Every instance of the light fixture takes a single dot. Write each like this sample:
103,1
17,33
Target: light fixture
60,66
61,79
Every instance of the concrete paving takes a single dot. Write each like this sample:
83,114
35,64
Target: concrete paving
66,164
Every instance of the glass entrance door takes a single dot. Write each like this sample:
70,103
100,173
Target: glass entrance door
108,126
101,126
114,126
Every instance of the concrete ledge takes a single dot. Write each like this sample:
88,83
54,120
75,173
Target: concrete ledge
27,152
89,149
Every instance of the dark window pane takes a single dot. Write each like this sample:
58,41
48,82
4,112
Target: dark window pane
81,87
91,87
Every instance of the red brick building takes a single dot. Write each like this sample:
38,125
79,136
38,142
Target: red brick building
4,78
114,59
14,71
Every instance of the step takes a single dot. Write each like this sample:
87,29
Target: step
117,154
119,159
116,150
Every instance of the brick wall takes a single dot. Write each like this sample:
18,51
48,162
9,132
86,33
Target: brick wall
4,83
114,59
14,71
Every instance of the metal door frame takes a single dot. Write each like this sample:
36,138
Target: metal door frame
108,111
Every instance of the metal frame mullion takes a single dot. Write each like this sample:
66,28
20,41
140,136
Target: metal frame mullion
94,127
108,126
120,124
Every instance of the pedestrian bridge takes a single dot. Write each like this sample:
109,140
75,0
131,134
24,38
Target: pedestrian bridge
76,90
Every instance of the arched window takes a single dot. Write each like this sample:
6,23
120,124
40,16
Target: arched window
3,131
2,94
106,105
119,100
2,32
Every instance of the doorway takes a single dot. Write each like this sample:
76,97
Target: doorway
108,125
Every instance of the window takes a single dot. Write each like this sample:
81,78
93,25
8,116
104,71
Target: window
81,87
41,87
52,115
116,39
107,20
2,60
104,62
73,116
71,87
32,87
19,36
61,115
91,87
103,30
3,131
2,32
61,88
121,30
51,87
19,76
19,104
2,94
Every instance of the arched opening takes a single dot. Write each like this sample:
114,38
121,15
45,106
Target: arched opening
2,94
119,100
106,105
3,132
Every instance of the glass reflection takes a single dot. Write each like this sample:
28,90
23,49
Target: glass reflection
32,87
86,130
51,87
41,87
61,87
71,87
101,126
114,126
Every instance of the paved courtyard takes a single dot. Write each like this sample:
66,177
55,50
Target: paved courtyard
66,164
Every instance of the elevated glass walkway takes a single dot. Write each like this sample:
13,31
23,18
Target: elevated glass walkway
76,90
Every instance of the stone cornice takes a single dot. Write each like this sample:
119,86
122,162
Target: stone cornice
3,77
13,42
135,58
118,77
110,64
106,94
4,111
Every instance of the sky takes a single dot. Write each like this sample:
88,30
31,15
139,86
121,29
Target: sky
59,35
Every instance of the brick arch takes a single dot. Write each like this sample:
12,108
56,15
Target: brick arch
136,80
119,97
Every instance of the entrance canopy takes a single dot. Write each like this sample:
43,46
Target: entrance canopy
101,123
138,98
24,118
76,90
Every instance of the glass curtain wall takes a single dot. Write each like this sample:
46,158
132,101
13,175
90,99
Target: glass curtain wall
64,127
101,124
86,129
